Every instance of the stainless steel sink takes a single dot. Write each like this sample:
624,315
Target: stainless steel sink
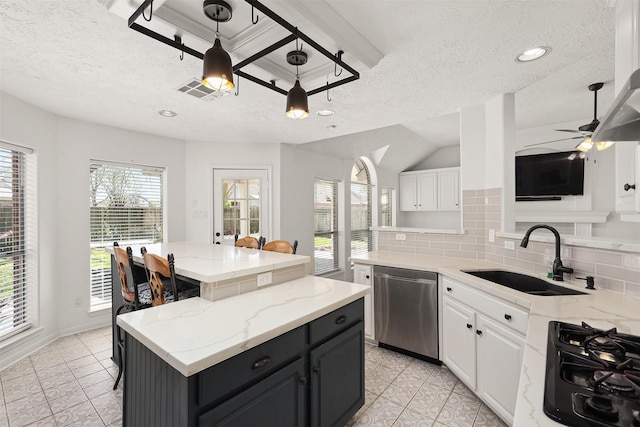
523,283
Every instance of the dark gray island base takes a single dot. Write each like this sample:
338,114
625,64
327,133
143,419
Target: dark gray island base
310,376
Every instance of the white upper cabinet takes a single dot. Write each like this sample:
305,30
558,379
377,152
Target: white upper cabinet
627,172
430,190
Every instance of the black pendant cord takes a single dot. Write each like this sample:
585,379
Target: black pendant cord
150,12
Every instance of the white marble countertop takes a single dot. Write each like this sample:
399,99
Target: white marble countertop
212,263
194,334
601,308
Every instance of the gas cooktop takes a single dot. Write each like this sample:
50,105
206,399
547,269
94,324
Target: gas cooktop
592,377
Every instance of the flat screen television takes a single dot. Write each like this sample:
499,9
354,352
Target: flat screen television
548,175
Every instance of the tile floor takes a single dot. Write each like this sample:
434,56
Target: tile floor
69,383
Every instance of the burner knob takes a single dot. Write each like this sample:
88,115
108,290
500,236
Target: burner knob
602,406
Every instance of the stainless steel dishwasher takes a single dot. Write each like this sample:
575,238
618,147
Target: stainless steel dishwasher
406,310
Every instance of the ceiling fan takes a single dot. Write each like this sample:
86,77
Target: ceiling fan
585,131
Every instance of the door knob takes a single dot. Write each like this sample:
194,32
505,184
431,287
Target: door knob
628,187
469,326
478,332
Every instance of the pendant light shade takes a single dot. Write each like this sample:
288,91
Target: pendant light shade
603,145
217,69
297,102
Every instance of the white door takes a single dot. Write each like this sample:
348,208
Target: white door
408,201
427,191
448,191
500,353
363,275
240,204
459,340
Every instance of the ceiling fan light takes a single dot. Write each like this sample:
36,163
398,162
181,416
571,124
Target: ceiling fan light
603,145
297,102
217,71
585,145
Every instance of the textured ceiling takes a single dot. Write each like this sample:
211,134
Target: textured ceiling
76,59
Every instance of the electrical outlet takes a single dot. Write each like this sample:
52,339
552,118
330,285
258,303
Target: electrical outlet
401,237
509,244
265,279
492,235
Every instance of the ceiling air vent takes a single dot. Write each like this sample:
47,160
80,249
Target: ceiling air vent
195,88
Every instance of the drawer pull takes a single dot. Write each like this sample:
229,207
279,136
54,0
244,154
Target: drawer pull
367,276
448,289
303,380
340,320
469,326
507,316
316,369
261,363
479,332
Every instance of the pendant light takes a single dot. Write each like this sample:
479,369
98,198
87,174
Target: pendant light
217,71
297,101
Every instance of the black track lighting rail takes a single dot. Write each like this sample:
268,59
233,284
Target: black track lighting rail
237,69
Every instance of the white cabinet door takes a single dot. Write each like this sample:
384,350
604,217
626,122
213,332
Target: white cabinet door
408,192
363,275
448,191
499,352
427,191
626,175
459,340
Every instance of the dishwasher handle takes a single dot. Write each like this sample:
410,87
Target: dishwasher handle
407,279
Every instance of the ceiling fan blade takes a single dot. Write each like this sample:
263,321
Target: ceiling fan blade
569,130
555,140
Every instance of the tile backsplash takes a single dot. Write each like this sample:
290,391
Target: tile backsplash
481,210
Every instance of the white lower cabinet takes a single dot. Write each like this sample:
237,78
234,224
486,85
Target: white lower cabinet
483,344
459,340
363,275
499,360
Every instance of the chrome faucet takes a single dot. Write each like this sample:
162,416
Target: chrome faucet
558,268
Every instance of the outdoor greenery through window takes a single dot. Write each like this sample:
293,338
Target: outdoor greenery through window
361,241
18,276
386,207
325,243
126,205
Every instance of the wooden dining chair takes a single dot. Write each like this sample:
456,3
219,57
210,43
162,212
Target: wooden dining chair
247,242
136,296
162,280
281,246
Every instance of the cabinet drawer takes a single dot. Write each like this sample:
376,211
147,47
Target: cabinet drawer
255,363
502,312
335,322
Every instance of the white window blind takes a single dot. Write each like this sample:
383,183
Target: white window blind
126,205
326,226
361,241
18,262
386,207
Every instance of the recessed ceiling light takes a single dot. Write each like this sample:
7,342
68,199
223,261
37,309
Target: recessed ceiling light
531,54
167,113
325,113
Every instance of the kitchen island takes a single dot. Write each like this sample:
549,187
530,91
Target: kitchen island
601,308
294,351
219,271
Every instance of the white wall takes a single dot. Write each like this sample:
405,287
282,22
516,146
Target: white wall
64,148
447,157
200,160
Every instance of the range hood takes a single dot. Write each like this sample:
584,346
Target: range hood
622,121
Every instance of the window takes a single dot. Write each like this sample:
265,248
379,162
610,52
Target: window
18,275
386,207
126,205
360,209
325,245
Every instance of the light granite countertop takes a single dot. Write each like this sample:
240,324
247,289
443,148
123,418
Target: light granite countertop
209,263
194,334
601,308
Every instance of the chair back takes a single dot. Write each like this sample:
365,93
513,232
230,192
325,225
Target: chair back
124,261
248,242
281,246
158,267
